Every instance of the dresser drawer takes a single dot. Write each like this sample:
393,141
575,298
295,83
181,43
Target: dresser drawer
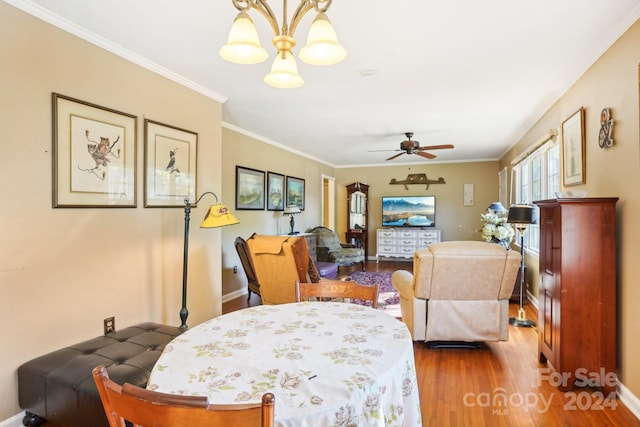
406,242
424,243
428,234
406,250
386,233
406,234
386,249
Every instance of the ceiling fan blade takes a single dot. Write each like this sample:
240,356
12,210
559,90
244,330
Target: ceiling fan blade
377,151
425,154
436,147
396,155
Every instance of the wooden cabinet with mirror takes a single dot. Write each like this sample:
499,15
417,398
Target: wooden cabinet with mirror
358,215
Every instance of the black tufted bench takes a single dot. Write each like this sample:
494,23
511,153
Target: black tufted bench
59,387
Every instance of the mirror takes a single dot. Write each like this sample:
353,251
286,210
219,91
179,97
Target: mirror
357,195
357,218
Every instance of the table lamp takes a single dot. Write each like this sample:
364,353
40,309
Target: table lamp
496,207
521,216
218,215
291,211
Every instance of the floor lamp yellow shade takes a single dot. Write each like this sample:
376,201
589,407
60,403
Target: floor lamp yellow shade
218,216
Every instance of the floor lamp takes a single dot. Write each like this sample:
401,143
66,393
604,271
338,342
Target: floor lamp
521,216
217,216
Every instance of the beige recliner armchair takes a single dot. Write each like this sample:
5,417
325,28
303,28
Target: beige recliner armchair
459,291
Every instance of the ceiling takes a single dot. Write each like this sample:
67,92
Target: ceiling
473,74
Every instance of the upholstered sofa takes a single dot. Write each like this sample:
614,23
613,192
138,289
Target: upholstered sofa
459,291
329,248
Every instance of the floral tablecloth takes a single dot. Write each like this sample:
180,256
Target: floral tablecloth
328,364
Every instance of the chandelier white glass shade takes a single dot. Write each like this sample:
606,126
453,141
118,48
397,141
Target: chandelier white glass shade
322,48
284,72
243,45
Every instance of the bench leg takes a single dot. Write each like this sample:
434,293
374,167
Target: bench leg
32,420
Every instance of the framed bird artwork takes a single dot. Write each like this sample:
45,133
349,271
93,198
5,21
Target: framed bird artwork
94,155
170,161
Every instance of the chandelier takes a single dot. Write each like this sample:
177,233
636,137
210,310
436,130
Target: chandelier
322,48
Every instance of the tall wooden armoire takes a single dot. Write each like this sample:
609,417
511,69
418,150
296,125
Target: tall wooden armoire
577,290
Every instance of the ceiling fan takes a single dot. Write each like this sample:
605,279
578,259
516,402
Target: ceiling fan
411,146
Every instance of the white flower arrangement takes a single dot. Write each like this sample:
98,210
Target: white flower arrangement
496,229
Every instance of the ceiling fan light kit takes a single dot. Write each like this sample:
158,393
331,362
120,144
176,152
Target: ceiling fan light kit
322,48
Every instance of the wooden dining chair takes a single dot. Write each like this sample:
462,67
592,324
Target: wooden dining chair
346,289
147,408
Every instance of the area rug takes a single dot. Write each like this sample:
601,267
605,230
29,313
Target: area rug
388,297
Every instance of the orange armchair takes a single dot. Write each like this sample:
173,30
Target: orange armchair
280,261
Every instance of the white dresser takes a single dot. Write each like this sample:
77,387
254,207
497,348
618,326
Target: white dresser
403,242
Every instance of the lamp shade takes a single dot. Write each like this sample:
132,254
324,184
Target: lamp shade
322,46
522,214
243,45
292,210
218,216
284,72
497,207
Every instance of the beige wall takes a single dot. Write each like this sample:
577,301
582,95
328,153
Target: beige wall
62,271
612,82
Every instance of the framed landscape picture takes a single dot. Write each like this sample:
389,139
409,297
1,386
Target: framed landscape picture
295,192
94,155
275,191
573,149
170,159
249,189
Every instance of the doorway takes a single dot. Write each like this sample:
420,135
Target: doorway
328,202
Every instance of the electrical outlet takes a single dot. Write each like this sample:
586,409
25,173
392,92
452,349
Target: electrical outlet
235,269
109,325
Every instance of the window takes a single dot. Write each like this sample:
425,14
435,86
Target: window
537,177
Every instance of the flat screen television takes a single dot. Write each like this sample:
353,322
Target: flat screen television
409,211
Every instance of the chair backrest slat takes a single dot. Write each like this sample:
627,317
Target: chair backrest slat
344,289
147,408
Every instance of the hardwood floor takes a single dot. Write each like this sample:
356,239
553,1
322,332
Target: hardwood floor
500,384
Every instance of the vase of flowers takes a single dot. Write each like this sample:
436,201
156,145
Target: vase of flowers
495,229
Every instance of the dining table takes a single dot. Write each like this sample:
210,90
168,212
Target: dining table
327,363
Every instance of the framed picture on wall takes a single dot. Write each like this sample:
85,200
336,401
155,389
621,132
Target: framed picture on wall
249,189
170,161
275,191
573,149
94,155
295,192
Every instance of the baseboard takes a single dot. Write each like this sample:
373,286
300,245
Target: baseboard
532,299
630,400
232,295
15,421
